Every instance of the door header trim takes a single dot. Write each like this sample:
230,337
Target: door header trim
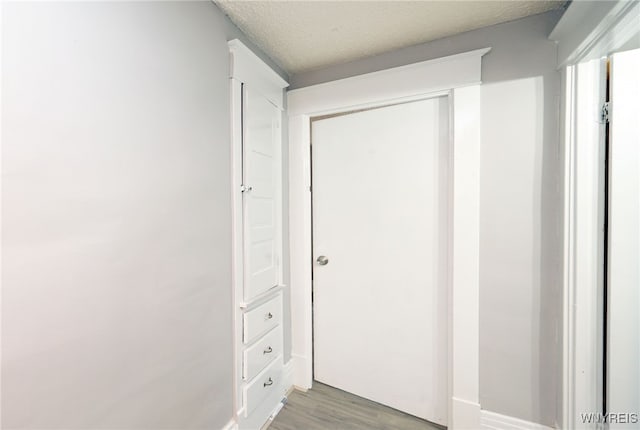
446,73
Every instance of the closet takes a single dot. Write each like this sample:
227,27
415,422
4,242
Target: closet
256,113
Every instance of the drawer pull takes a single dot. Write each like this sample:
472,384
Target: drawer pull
268,383
268,316
268,350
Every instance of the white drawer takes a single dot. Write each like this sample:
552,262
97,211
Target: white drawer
261,319
262,386
257,356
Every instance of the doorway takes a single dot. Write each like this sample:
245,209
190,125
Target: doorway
456,77
380,181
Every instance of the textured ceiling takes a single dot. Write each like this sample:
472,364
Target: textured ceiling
306,35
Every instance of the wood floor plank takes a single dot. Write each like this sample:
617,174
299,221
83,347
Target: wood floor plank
327,408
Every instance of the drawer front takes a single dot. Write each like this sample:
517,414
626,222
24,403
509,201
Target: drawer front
261,319
265,384
260,354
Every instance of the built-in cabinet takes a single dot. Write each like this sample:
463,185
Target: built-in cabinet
256,112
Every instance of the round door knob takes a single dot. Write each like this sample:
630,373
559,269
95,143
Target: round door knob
322,260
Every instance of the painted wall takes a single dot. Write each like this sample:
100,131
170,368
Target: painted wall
521,208
116,271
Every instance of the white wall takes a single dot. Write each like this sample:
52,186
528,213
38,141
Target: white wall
521,208
116,289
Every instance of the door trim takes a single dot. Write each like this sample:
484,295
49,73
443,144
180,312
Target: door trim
604,28
458,77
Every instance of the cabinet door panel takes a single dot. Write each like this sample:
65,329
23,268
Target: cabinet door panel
261,138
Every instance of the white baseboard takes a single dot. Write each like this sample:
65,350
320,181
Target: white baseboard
231,425
493,421
464,415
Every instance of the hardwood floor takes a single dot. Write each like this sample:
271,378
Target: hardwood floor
327,408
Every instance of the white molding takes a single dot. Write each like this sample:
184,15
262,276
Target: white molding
236,234
1,211
287,377
302,371
568,320
583,247
494,421
464,414
591,29
587,30
464,307
361,91
458,77
247,67
231,425
300,249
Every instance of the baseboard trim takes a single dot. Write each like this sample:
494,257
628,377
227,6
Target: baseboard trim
494,421
231,425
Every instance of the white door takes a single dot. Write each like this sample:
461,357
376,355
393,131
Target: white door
260,175
380,218
623,358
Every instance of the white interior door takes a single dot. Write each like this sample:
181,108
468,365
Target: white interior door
260,174
380,199
623,350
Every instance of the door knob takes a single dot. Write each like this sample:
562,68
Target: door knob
322,260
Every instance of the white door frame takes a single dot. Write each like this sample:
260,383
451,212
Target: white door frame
458,77
586,31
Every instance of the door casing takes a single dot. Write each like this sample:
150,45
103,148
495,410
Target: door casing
606,27
458,78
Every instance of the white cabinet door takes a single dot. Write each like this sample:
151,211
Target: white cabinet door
261,164
380,198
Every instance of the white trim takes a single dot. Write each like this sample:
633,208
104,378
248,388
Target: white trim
589,29
583,248
464,302
236,235
287,377
494,421
231,425
464,414
362,91
1,212
302,375
247,67
300,249
568,322
420,80
586,31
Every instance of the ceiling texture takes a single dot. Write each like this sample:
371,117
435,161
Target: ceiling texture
306,35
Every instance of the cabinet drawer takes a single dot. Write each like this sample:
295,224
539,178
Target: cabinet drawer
257,356
261,319
263,385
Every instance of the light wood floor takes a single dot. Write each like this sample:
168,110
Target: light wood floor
327,408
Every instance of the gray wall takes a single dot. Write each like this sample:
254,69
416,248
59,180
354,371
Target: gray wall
116,271
521,207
